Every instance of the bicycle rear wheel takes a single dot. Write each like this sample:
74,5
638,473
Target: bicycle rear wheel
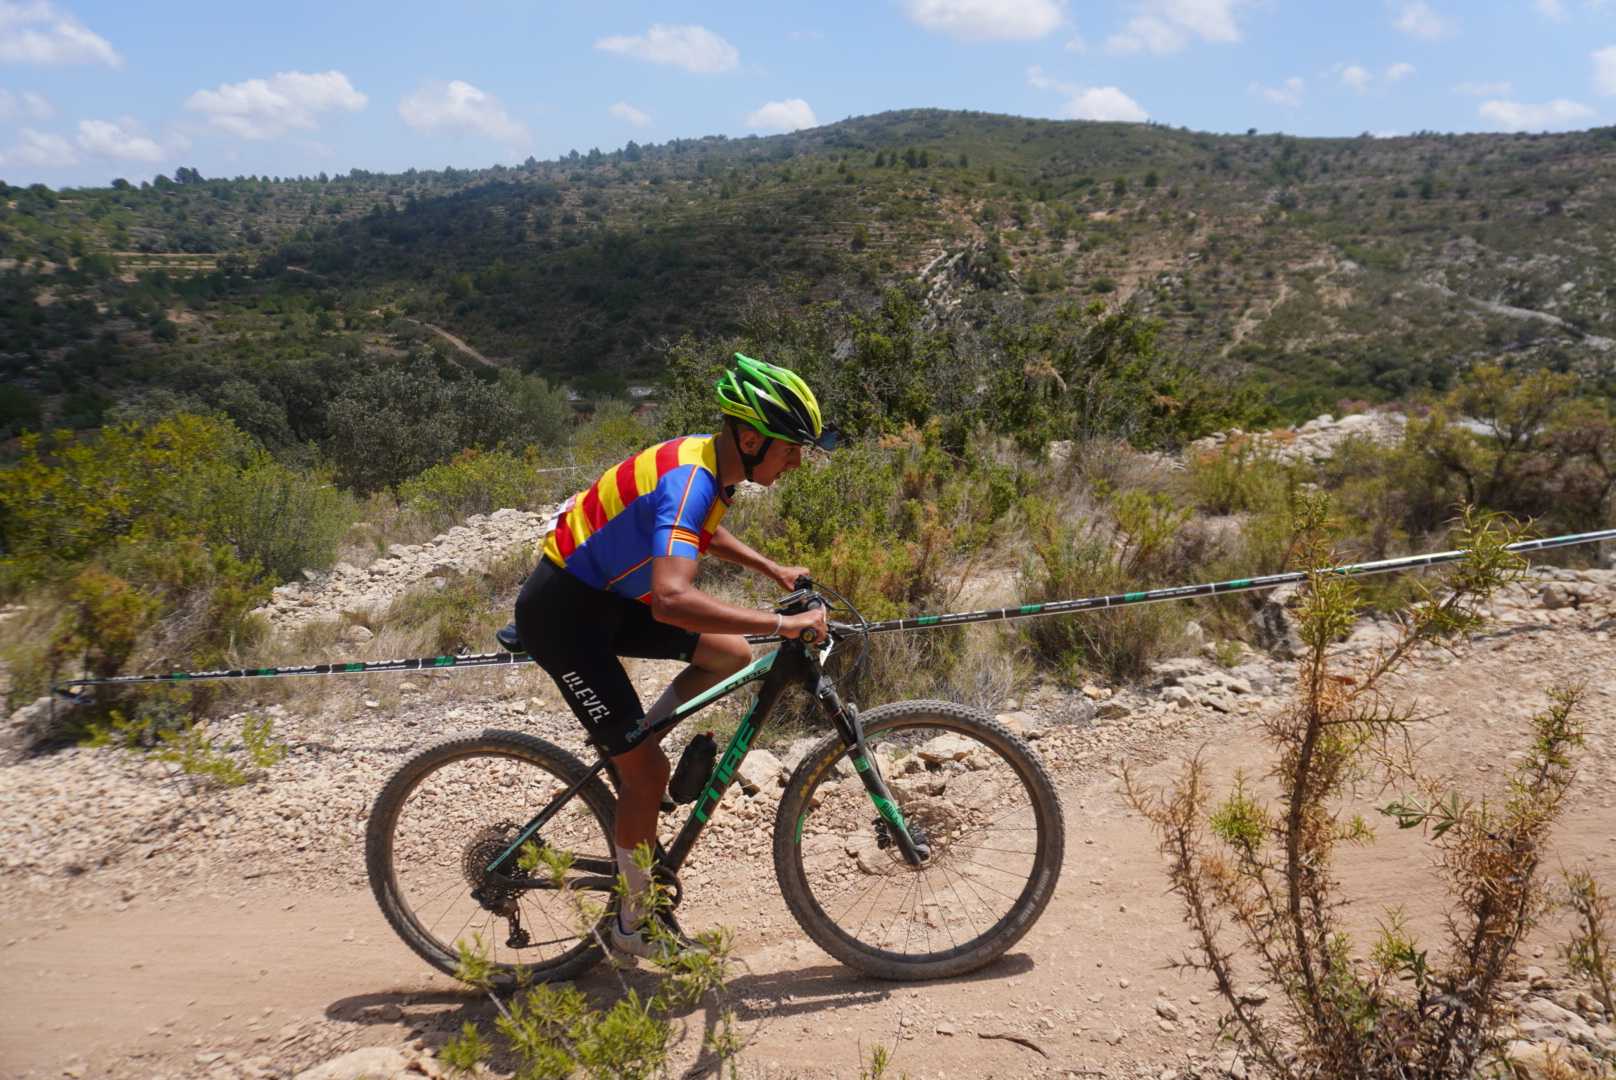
451,810
976,795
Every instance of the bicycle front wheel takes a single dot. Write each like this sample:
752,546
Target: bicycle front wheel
974,794
450,811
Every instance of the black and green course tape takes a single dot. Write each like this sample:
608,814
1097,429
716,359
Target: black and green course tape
916,622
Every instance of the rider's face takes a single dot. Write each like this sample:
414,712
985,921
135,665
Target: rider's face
781,459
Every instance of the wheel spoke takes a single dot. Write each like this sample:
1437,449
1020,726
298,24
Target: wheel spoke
454,818
966,796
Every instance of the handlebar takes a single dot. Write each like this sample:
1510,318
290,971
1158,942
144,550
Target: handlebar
810,594
806,598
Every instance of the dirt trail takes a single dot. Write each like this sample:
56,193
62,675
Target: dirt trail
217,979
459,343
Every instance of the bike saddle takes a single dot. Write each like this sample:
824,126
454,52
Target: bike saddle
509,639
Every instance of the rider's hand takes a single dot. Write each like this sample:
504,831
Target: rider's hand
787,575
793,625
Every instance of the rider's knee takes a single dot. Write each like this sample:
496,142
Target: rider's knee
726,653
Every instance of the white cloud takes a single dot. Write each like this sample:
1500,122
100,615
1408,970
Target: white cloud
1554,9
1398,72
1089,102
40,149
1167,26
1419,19
1483,89
987,20
36,33
1039,81
789,115
121,140
457,107
1605,70
1076,44
624,111
1288,93
1522,116
266,108
1356,77
24,106
1104,103
694,48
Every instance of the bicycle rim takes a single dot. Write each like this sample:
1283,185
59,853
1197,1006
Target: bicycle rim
973,793
450,812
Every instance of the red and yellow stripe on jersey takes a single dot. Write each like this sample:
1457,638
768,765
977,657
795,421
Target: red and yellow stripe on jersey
663,501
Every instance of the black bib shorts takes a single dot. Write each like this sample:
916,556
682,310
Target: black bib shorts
577,632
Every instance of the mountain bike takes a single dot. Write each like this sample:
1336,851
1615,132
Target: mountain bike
918,840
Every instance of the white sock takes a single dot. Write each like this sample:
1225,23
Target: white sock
663,708
632,911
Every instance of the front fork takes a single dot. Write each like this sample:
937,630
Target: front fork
845,717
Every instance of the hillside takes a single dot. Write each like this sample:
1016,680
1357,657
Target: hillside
1326,268
237,939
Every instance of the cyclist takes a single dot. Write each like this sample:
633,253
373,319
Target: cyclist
618,579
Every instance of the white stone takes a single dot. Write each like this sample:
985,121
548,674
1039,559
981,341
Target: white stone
944,748
367,1063
761,771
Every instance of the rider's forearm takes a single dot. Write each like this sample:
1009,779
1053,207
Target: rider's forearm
691,609
729,547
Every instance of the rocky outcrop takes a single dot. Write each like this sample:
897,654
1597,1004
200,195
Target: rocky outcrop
465,549
35,725
1316,440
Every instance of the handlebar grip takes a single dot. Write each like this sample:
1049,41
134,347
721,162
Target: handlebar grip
808,636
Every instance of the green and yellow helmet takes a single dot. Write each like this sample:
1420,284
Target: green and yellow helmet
774,401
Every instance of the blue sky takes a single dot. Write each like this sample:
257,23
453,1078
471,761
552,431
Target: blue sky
93,89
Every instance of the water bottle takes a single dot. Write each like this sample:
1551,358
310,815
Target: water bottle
695,766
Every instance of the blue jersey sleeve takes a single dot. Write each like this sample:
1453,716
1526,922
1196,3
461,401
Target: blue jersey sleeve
683,499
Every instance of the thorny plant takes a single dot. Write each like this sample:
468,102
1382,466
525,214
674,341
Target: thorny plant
1256,879
1590,953
556,1032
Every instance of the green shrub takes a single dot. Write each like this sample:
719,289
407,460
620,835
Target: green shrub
160,729
66,500
556,1031
481,481
1238,478
284,519
610,436
1094,559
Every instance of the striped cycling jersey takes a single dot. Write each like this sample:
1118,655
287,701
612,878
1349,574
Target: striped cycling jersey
665,500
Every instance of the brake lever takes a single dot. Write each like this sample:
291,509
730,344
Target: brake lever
793,599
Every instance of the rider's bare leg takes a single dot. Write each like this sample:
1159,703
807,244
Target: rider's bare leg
717,657
643,771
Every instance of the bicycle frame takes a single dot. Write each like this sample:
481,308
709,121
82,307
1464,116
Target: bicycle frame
792,663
